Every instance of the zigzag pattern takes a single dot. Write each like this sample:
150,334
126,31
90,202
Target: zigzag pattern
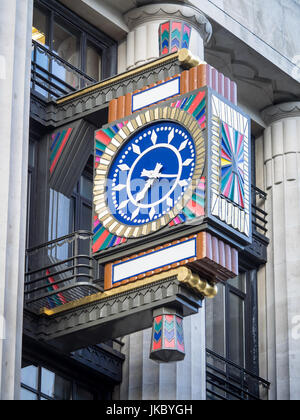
180,337
173,36
169,331
157,333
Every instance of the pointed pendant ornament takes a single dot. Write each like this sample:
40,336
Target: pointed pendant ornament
167,344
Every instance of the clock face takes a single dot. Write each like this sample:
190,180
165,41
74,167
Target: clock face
151,174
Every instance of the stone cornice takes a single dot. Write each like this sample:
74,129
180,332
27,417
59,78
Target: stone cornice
281,111
165,11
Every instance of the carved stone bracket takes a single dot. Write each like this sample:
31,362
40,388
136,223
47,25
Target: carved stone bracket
109,315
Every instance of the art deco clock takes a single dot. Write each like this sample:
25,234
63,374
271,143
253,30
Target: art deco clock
148,173
169,167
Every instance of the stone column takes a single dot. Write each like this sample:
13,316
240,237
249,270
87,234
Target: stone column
282,182
144,379
15,57
142,44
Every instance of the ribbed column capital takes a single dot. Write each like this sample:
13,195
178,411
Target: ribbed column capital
165,11
280,112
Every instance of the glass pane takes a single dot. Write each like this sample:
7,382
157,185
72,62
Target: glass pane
93,61
239,282
86,188
236,330
54,386
215,322
61,215
29,376
66,43
86,221
83,394
40,28
27,395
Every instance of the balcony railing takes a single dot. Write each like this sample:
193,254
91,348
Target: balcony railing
259,216
228,381
59,272
52,76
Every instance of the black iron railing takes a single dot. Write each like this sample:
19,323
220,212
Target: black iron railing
227,381
52,76
259,216
59,272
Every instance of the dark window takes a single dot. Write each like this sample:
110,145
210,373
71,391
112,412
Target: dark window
68,53
39,383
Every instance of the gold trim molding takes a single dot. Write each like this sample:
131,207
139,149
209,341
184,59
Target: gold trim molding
185,57
183,274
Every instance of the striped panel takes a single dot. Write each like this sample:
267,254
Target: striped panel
173,35
194,105
157,333
59,141
194,208
54,300
164,38
176,36
186,36
179,332
169,332
102,238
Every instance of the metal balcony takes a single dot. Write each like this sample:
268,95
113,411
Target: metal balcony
52,76
228,381
59,272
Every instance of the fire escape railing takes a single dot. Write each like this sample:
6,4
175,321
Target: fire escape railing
52,76
228,381
59,272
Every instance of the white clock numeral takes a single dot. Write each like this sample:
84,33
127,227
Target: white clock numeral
135,213
153,137
183,183
124,167
183,145
171,136
123,204
187,162
152,213
119,187
169,202
136,149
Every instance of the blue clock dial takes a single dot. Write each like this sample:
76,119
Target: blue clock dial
151,173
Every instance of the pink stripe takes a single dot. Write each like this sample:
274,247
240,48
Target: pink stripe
229,183
118,240
202,120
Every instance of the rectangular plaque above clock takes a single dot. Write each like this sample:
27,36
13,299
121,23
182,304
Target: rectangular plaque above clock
172,170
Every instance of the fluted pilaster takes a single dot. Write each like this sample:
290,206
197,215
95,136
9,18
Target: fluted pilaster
142,44
144,379
282,181
15,55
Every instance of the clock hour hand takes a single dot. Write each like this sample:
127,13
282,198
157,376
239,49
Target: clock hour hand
152,174
141,195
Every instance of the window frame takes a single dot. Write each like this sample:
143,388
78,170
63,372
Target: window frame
88,32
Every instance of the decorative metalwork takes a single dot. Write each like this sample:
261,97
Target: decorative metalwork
229,381
59,272
54,77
